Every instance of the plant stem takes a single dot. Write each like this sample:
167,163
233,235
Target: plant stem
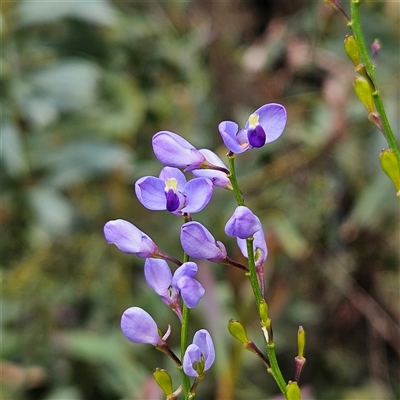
184,344
355,26
232,177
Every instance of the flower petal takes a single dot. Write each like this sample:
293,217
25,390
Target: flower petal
242,224
150,192
198,242
273,120
188,268
129,239
259,245
228,131
170,172
198,192
158,275
205,343
174,151
139,327
192,356
191,290
218,178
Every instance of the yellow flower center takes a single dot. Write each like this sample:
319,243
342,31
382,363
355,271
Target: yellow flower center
171,183
253,120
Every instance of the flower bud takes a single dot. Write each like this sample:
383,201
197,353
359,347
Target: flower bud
164,380
293,391
301,341
352,50
238,331
391,167
263,311
364,92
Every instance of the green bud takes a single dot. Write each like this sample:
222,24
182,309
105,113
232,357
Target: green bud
163,379
352,50
301,341
238,331
293,391
263,311
391,167
364,92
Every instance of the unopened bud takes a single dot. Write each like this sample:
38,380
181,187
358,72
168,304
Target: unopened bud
375,50
352,50
301,341
364,92
164,380
263,311
238,331
293,391
391,167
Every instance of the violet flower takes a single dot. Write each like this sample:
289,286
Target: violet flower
243,223
175,151
129,239
259,246
218,177
171,192
159,277
265,125
139,327
199,243
200,355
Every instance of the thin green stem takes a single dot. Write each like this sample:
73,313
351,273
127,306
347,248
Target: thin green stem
234,182
252,274
184,345
355,26
275,370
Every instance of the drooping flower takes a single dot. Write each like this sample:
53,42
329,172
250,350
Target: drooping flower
243,223
171,192
265,125
139,327
174,151
198,242
218,177
159,277
200,355
129,239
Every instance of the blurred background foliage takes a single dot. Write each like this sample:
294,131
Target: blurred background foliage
85,85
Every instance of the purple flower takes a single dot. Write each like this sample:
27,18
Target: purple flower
175,151
171,192
198,243
200,355
139,327
243,223
265,125
259,246
159,277
129,239
218,178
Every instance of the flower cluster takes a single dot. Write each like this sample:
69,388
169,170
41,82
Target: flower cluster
172,191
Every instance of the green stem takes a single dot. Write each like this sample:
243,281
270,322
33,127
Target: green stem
255,285
355,26
275,370
232,177
184,345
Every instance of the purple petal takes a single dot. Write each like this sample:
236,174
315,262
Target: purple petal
150,191
198,242
158,275
242,224
187,268
218,178
205,343
273,120
169,172
192,356
129,239
228,131
198,192
174,151
139,327
191,290
172,200
256,136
